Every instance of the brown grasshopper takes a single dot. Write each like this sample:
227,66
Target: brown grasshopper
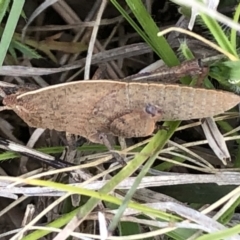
97,108
126,109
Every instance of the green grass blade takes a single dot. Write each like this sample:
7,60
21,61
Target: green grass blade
25,50
130,193
218,34
224,234
233,35
159,44
11,24
4,4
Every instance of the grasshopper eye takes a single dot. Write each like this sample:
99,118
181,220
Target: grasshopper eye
153,110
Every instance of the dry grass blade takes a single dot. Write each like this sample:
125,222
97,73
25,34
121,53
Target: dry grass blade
215,139
40,9
108,55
